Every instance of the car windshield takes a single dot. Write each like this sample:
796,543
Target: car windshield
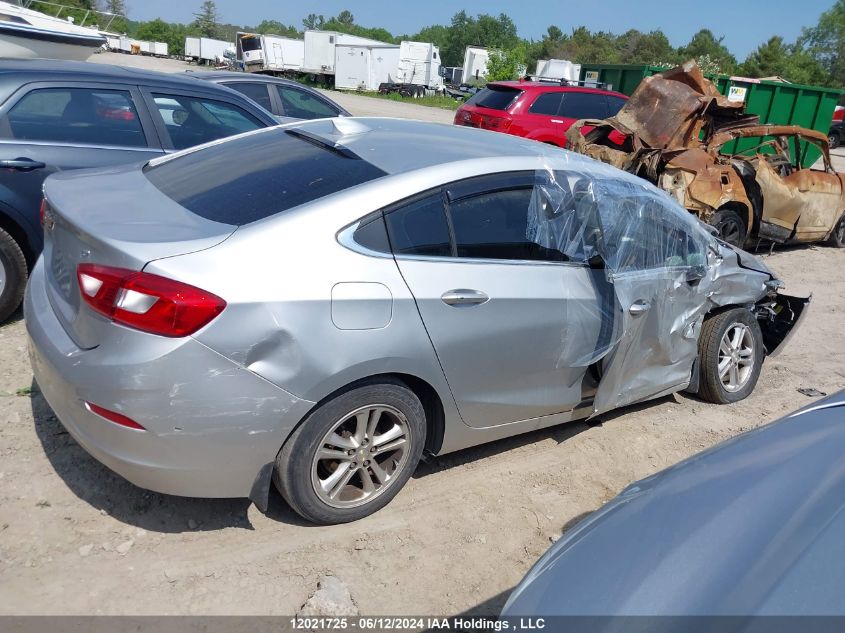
495,97
256,176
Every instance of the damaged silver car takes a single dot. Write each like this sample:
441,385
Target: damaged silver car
310,305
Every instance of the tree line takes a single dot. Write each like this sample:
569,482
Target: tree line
816,57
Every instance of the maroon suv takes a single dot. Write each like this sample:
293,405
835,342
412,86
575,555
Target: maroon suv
542,111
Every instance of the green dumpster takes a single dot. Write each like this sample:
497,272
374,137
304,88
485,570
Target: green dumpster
774,102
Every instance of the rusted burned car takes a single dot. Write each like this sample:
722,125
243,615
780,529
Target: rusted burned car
673,132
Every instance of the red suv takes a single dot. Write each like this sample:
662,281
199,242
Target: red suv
542,111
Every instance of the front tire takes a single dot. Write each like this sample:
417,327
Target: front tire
730,227
833,139
13,275
353,454
730,354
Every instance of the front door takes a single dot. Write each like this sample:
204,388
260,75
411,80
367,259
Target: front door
48,128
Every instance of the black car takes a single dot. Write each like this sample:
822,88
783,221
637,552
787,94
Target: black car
56,116
288,100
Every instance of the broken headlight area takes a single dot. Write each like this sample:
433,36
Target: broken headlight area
779,315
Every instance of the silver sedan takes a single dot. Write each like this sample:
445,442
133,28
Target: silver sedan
320,303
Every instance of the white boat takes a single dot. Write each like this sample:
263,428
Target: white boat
28,33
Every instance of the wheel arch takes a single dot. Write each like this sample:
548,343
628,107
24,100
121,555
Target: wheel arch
20,235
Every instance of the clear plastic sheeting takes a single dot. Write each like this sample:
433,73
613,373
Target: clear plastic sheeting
657,272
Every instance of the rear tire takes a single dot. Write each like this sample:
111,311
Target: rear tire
730,226
837,237
13,275
352,454
833,139
730,355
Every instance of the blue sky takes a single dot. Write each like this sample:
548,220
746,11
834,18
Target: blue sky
743,23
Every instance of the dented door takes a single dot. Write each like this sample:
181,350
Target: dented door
806,201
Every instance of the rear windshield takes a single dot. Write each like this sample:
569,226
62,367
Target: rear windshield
256,176
495,97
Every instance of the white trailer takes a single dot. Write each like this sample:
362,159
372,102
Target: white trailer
146,47
558,69
419,64
475,63
320,53
269,53
113,42
205,49
360,67
160,49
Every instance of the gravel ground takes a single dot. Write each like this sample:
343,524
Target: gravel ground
77,539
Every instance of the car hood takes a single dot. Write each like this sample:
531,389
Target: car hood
752,526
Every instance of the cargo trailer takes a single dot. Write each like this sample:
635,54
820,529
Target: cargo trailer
558,69
205,49
475,64
419,64
320,53
270,54
160,49
365,67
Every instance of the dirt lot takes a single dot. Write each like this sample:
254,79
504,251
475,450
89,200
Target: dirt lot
76,539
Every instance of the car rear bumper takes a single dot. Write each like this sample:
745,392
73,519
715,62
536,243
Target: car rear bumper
211,425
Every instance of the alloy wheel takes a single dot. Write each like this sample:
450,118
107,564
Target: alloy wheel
730,231
736,357
361,456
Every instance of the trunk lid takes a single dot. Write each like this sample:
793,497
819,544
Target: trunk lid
112,217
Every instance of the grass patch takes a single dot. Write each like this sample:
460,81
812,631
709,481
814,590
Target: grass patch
437,101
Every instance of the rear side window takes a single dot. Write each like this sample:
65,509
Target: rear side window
194,120
257,92
495,226
495,97
77,115
304,105
584,105
257,176
547,103
420,228
614,105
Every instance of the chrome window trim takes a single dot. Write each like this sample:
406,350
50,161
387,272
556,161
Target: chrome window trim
133,148
345,239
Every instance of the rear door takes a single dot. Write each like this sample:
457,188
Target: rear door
542,121
505,314
47,127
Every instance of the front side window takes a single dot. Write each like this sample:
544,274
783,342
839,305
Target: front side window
77,115
194,120
303,105
257,92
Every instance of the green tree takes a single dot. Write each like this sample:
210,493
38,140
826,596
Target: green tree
484,30
346,18
636,47
506,65
274,27
825,42
775,58
313,21
206,22
704,43
584,47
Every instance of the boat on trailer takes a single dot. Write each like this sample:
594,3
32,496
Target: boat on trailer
27,33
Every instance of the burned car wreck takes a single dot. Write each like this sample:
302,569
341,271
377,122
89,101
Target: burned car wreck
673,132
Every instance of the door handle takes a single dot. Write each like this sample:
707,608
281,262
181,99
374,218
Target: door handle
22,164
557,121
639,307
464,297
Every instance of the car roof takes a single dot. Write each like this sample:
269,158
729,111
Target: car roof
227,75
403,145
552,86
44,69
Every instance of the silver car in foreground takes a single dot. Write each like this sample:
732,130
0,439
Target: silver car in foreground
753,526
318,304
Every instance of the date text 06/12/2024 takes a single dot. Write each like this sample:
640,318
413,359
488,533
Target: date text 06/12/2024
416,623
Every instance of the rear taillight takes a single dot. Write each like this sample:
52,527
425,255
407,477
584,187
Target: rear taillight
495,123
113,416
145,301
42,211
